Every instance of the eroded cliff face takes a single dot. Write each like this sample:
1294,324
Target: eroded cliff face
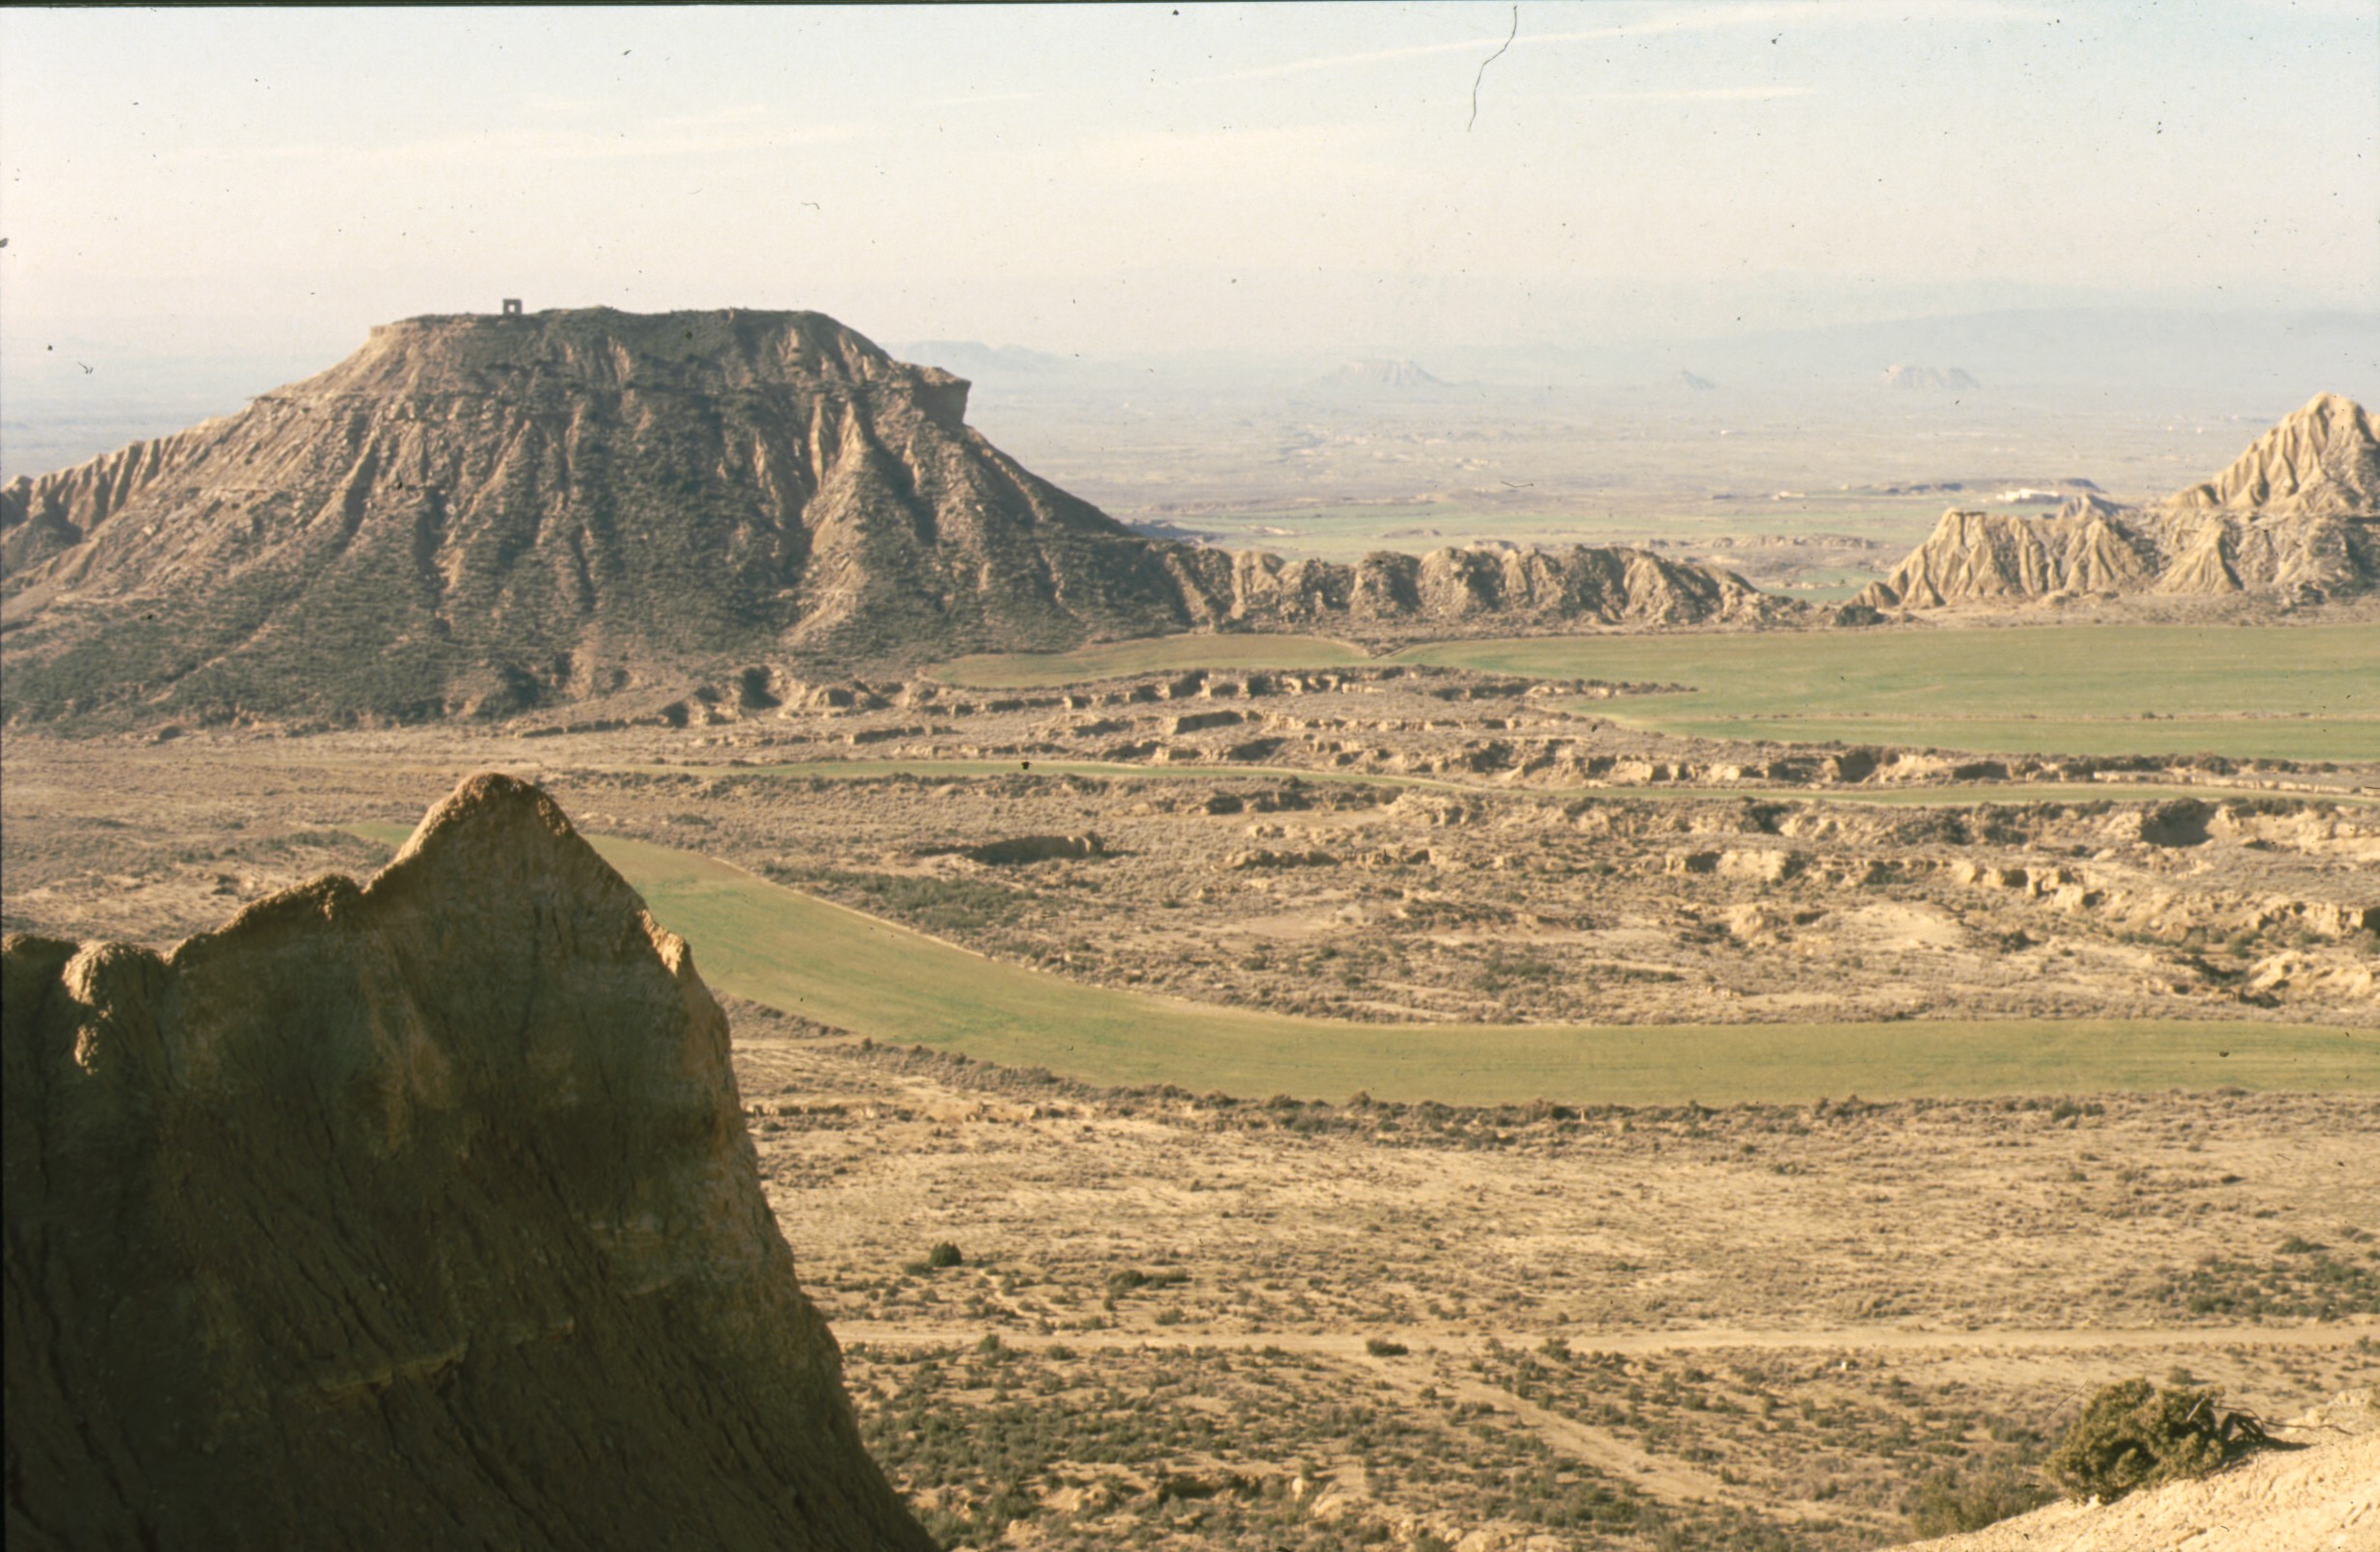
2298,515
478,516
473,515
416,1214
2322,461
1448,588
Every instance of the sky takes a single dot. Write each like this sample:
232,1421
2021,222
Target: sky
266,184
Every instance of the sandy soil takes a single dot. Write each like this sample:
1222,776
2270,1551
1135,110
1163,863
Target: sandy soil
1191,1323
1741,1323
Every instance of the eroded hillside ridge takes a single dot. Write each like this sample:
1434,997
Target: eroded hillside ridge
476,515
1509,588
2298,515
416,1213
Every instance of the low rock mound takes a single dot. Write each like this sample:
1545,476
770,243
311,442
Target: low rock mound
1023,849
1377,373
418,1214
1935,379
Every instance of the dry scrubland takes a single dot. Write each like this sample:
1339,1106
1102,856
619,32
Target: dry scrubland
1181,1319
1180,1322
1391,845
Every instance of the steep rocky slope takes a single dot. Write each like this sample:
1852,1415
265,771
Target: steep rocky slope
420,1214
2321,461
476,515
2297,516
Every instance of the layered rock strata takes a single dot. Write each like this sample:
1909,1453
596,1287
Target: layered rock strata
478,515
2297,516
415,1213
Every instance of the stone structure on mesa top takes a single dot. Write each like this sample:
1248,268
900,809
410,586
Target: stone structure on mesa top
411,1214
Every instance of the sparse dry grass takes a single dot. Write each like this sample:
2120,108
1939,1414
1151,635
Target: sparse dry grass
1760,1325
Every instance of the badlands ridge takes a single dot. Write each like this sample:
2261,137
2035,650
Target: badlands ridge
480,516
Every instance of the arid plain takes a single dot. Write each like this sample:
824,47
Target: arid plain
1487,1301
1511,1046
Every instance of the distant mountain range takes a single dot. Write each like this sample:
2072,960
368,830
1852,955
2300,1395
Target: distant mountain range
477,515
2132,360
971,358
1400,375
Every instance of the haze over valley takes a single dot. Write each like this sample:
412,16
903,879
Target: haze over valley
1573,778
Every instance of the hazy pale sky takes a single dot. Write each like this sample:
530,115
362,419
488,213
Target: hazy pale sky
1158,177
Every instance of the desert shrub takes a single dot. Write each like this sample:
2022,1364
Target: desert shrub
1384,1348
943,1255
2302,1280
1504,972
934,904
1946,1504
2134,1435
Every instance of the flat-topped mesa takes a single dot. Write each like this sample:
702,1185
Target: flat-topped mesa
414,1213
730,350
2298,515
480,516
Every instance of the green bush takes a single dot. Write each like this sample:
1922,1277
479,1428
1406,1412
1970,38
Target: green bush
943,1255
1946,1504
2134,1435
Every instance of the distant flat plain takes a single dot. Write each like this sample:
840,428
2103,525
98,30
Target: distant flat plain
2299,693
856,972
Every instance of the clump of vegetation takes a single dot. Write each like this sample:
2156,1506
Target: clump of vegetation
1946,1504
2302,1280
2136,1434
1385,1348
1504,972
941,1258
928,902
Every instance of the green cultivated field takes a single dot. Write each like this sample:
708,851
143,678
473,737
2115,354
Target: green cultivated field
2300,692
2304,693
781,947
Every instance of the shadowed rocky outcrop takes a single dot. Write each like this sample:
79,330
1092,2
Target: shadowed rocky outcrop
482,515
418,1214
2298,515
